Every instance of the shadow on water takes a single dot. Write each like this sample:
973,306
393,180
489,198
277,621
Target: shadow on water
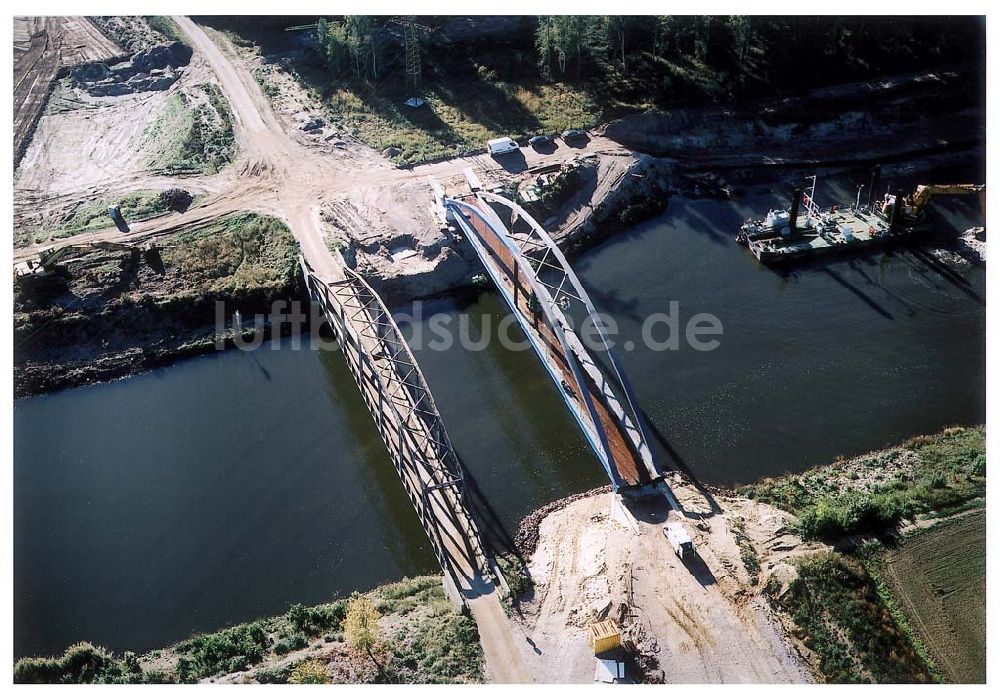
675,459
497,537
946,273
871,303
392,513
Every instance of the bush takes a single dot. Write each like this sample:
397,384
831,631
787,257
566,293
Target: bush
312,671
290,643
222,652
176,199
840,516
81,663
317,620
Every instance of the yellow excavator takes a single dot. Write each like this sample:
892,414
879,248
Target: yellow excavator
923,194
49,258
914,203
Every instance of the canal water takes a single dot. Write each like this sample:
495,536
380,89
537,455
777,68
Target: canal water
229,487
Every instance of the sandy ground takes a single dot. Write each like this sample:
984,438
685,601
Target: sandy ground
43,46
87,148
701,621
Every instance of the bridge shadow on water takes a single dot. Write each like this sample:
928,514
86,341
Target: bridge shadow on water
677,462
494,532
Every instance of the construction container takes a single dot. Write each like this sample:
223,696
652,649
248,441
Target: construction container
605,636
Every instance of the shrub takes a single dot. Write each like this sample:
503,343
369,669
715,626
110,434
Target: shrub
81,663
222,652
290,643
176,199
312,671
317,620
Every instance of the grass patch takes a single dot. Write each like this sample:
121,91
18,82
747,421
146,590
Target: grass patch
934,584
193,133
935,473
751,562
134,206
244,253
459,117
439,647
839,615
166,26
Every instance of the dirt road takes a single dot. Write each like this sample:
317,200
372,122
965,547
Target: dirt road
280,172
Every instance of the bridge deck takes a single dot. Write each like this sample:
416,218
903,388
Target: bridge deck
608,427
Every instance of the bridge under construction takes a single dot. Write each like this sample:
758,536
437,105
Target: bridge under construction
556,314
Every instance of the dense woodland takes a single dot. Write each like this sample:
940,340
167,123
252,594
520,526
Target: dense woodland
666,57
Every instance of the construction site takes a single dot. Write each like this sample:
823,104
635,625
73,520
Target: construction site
167,168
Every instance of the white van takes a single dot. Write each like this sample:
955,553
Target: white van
500,146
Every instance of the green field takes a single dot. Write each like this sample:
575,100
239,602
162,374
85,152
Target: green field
938,578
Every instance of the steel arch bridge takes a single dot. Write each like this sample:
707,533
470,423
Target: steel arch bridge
552,308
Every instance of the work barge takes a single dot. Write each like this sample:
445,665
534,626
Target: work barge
805,229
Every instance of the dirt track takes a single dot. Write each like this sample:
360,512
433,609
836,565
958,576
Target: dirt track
279,171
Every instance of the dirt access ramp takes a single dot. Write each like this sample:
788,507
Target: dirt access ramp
700,621
43,47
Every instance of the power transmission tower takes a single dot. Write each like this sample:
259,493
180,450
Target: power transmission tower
412,54
413,32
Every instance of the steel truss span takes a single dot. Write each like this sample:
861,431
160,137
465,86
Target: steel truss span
396,394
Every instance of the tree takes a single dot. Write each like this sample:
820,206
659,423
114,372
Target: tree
743,34
359,31
619,29
545,43
333,43
361,626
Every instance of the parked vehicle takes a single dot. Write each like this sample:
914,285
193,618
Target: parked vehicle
571,135
680,540
539,141
116,216
500,146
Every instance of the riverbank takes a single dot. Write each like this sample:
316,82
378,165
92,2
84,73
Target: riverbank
105,313
759,602
418,637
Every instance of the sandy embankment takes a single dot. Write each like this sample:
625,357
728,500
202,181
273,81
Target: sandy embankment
705,621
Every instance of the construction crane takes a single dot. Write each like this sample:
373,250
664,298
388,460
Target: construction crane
924,193
915,203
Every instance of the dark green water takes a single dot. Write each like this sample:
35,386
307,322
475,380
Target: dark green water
229,487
